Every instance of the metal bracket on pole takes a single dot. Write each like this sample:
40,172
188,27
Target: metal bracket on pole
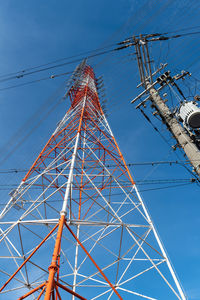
144,92
148,98
162,66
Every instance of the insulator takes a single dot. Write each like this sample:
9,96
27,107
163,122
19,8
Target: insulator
190,114
124,42
99,78
197,97
100,86
167,73
13,193
99,82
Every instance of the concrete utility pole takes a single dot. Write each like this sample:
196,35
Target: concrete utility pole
183,139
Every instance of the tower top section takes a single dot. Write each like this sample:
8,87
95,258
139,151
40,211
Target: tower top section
84,85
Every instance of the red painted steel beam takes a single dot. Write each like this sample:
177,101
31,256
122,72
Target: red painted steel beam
93,261
69,291
27,259
32,291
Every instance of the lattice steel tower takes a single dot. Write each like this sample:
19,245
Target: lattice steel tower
79,202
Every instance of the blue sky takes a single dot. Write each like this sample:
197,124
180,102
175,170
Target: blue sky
36,32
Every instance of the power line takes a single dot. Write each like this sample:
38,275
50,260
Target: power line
35,81
163,37
184,29
165,187
148,163
160,36
31,124
21,74
24,72
55,61
114,194
124,183
126,43
53,67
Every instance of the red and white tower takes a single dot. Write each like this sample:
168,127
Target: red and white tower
76,227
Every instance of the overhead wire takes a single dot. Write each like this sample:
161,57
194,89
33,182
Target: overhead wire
114,194
33,122
33,70
155,13
55,62
20,73
168,38
181,48
142,25
37,124
148,163
24,72
84,54
124,183
17,75
177,96
166,141
17,140
35,81
55,66
183,29
93,55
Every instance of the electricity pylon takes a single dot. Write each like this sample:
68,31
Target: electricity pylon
79,202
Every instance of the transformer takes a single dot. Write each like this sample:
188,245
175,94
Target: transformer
189,112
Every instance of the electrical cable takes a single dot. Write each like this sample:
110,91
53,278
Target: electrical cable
149,163
57,60
55,66
114,194
15,141
184,29
154,127
45,78
35,81
24,72
63,64
161,37
123,183
63,73
2,160
169,145
37,124
152,37
175,94
165,187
